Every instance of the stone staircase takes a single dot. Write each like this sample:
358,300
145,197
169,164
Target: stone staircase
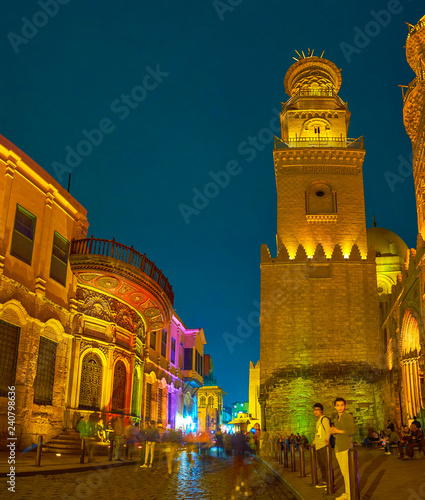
69,443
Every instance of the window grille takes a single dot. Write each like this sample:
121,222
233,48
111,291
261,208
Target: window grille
91,382
159,404
148,401
118,392
153,340
59,262
164,343
202,401
23,235
188,358
9,342
173,350
44,379
170,419
135,396
210,401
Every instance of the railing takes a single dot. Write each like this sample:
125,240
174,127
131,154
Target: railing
110,248
316,92
321,142
416,28
420,78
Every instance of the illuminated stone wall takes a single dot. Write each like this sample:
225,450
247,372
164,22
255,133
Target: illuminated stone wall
319,339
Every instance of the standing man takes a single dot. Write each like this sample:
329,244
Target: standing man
321,440
344,430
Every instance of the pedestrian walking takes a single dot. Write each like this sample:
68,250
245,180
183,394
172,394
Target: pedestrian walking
172,440
151,438
321,440
344,430
118,427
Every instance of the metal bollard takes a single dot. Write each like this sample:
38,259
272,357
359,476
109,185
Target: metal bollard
293,465
82,450
302,461
313,464
39,450
353,468
330,487
285,455
111,449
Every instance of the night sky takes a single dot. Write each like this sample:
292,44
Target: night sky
206,79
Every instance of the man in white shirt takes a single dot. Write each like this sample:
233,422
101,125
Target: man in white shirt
321,440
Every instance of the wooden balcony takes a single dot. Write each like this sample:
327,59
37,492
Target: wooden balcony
123,253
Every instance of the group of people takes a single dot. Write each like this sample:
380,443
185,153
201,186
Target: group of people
411,437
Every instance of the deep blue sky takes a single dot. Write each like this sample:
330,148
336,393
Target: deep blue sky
225,69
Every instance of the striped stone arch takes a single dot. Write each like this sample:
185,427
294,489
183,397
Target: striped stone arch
410,353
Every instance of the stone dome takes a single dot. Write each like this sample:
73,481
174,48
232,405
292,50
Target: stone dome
386,242
312,74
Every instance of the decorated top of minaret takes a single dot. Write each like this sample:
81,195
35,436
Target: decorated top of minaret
312,73
415,44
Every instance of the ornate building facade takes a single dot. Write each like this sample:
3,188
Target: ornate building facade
336,319
87,325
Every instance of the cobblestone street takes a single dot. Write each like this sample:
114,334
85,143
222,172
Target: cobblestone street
210,479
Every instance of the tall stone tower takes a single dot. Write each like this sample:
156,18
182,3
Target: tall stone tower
319,300
414,114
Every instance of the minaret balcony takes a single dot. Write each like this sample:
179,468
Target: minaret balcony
319,142
412,85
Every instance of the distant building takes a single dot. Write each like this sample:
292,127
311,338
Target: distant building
210,406
254,408
239,407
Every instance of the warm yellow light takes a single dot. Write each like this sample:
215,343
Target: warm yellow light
58,454
346,256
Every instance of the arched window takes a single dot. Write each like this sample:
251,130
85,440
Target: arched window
91,382
118,392
202,401
210,401
135,396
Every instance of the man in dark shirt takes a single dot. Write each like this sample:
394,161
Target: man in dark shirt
343,429
416,422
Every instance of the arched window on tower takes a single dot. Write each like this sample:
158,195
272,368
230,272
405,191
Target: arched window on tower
91,382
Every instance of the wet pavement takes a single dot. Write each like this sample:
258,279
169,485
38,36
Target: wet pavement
212,478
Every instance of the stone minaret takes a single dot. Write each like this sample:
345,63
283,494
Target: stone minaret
319,301
414,114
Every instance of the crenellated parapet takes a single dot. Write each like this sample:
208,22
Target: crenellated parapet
319,255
